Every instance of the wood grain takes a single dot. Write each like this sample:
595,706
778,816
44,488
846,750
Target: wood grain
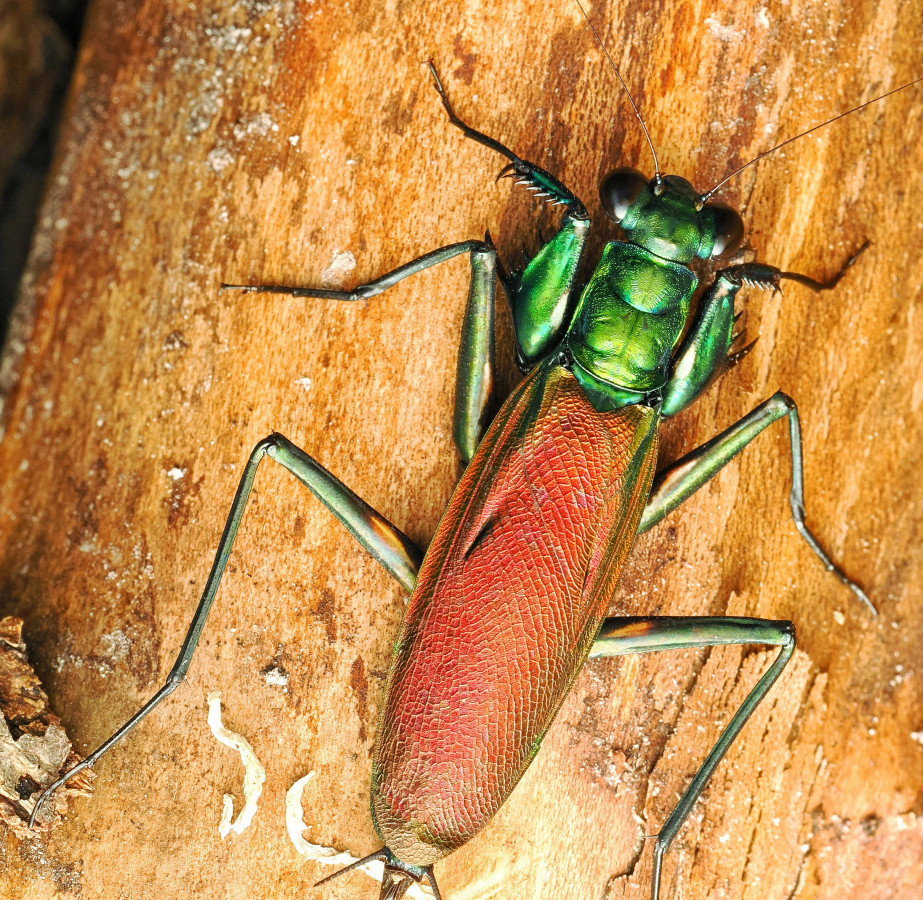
259,142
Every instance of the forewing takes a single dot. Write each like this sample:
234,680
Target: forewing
509,598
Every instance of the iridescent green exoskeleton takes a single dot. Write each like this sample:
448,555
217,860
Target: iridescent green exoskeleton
611,359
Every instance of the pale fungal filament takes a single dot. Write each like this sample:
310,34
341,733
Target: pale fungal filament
254,773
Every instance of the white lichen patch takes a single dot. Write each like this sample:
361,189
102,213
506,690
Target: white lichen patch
725,33
116,645
340,266
276,677
294,823
254,773
259,125
219,159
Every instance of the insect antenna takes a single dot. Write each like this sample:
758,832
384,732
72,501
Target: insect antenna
625,87
841,115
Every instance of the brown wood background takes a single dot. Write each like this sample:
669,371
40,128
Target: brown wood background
253,141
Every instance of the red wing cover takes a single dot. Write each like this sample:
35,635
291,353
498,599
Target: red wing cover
510,596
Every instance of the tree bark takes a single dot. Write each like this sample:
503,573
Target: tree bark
282,143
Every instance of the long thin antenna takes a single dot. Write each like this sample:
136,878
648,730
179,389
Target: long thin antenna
625,86
848,112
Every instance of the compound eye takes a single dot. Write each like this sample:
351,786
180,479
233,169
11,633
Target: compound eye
619,189
728,229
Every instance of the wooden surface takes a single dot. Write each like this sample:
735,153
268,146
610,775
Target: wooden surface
258,142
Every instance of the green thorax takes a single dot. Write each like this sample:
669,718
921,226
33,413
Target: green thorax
627,322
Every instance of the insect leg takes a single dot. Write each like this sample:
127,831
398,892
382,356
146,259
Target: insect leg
620,636
539,294
474,387
386,543
537,178
830,283
371,288
762,275
474,380
682,479
705,352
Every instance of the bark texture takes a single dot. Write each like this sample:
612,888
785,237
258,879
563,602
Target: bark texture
302,143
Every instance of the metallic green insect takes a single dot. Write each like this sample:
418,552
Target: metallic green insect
511,596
